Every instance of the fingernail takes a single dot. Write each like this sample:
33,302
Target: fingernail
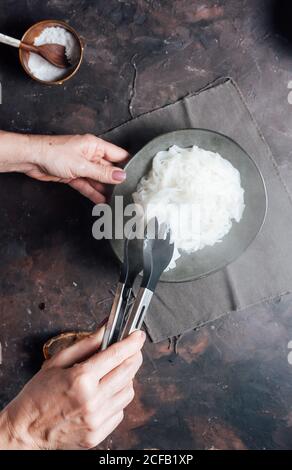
119,175
142,335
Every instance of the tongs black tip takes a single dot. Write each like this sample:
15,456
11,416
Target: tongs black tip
152,256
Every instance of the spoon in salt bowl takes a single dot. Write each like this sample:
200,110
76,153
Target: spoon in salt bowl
53,53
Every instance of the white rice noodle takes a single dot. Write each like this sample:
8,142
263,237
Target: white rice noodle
197,193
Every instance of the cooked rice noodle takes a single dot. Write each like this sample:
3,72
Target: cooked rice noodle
196,192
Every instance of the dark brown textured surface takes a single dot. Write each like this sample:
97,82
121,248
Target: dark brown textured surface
230,384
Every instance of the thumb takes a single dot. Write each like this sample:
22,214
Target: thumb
102,173
78,352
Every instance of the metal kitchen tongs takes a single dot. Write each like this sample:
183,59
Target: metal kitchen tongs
150,255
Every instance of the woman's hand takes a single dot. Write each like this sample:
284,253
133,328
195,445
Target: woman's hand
85,162
77,399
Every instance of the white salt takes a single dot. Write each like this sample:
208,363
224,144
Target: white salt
40,67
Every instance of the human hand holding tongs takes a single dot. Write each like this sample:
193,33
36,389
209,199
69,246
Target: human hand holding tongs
151,256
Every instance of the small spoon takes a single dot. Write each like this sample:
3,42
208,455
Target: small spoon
53,53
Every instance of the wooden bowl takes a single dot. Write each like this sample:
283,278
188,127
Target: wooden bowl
32,33
63,341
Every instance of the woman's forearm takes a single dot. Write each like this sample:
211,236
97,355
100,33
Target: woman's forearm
17,151
85,162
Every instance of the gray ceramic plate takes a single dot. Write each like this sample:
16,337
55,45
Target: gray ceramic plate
209,259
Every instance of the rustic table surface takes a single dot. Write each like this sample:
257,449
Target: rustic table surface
228,385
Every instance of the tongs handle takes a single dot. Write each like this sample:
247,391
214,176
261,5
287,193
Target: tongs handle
113,318
136,317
